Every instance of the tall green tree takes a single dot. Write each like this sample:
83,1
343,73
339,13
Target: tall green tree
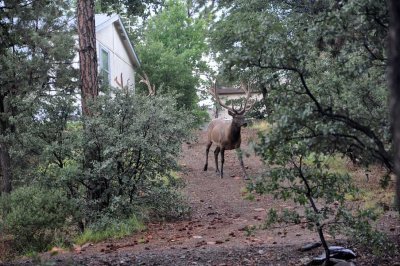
324,65
172,50
36,54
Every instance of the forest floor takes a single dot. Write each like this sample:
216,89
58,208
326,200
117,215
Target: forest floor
224,227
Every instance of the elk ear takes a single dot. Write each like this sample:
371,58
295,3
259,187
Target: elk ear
231,113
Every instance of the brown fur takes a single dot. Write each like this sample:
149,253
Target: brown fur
226,136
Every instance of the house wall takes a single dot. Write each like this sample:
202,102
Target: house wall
109,39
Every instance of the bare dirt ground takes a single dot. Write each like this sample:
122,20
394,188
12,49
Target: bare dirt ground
222,229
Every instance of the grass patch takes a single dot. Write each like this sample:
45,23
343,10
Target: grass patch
334,163
113,230
261,126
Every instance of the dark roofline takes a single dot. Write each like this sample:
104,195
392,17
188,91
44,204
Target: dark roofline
231,91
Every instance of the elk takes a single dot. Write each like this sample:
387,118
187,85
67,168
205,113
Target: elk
225,134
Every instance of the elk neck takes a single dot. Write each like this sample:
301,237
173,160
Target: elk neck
234,132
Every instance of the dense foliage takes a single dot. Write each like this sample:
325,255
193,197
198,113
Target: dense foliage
37,217
171,53
321,66
102,172
327,83
36,54
137,140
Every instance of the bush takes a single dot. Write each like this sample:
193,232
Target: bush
135,142
35,216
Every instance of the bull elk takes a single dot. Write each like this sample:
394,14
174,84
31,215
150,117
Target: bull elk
226,134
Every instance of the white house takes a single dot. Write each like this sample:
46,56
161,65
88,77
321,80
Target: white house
117,58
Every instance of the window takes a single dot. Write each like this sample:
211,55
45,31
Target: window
105,65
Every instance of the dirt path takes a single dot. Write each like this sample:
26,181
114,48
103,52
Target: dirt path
219,231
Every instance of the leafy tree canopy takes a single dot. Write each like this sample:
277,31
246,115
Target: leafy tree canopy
324,65
172,50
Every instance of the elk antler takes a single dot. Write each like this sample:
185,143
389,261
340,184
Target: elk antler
243,107
213,92
145,80
246,88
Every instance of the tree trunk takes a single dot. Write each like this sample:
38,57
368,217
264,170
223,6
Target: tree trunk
394,84
5,164
5,161
87,53
89,92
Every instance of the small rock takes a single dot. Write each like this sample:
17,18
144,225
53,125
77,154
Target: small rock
86,245
341,253
197,237
261,251
211,243
337,252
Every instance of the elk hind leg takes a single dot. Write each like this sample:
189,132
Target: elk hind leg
222,162
216,158
240,157
207,150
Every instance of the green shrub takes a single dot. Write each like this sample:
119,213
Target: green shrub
35,216
164,203
136,141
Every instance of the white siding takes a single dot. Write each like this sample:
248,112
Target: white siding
120,63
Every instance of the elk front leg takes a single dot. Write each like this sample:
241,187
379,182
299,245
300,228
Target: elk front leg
222,162
216,158
207,150
240,157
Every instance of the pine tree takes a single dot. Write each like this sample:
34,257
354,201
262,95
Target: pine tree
36,54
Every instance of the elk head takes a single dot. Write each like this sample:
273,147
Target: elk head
238,115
